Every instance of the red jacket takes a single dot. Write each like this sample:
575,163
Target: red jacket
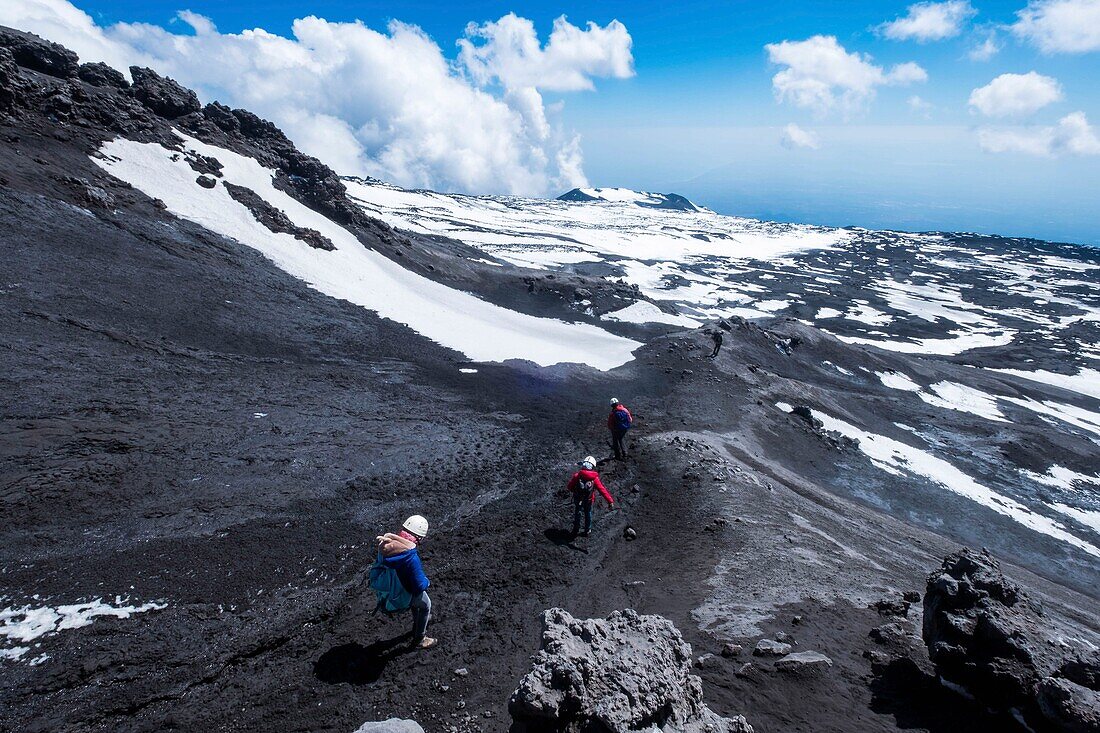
586,475
612,423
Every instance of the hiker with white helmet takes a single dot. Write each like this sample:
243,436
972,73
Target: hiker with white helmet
582,488
618,422
398,553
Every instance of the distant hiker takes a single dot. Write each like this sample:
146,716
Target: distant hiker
717,337
397,553
582,488
618,422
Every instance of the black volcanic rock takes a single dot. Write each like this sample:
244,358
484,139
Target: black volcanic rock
99,74
162,95
37,54
272,218
222,116
986,635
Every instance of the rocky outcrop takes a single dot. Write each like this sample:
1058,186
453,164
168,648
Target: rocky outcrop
163,96
37,54
624,673
988,636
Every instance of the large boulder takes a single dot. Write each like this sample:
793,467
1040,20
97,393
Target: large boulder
987,635
391,725
624,673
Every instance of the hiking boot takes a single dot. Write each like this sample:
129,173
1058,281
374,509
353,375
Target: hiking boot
425,642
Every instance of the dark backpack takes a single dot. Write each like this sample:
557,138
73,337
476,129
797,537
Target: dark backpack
585,487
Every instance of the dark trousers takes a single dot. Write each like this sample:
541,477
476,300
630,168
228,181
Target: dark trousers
617,437
717,348
421,607
582,504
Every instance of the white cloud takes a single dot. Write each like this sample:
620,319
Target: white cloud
382,103
1071,136
987,49
795,137
1060,26
1015,94
508,51
821,75
919,106
930,21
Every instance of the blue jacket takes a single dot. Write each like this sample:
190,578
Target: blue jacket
409,570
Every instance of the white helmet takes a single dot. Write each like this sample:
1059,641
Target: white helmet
589,462
614,401
416,525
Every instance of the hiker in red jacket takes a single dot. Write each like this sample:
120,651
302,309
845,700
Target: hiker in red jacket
618,422
582,488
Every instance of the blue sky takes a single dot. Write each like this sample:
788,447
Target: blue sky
702,115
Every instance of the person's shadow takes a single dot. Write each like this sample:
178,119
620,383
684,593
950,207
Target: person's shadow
563,538
356,664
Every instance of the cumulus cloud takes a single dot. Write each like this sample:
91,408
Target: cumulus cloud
822,76
1073,135
987,49
386,103
795,137
1060,26
508,51
1015,94
930,21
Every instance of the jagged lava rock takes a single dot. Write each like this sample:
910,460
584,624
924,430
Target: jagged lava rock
627,672
162,95
985,634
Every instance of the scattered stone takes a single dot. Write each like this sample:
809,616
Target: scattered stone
630,534
877,657
461,672
891,633
627,672
796,620
770,648
392,725
206,181
911,596
892,607
805,664
784,638
732,650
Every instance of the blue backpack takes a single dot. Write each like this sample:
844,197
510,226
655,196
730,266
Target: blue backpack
622,420
392,596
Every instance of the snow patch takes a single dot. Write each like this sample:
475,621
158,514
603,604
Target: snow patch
643,311
479,329
27,623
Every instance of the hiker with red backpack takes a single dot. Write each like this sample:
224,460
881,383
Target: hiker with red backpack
398,577
618,422
582,488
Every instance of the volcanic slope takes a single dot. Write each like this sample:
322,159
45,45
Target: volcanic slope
200,441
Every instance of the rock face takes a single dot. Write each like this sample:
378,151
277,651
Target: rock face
624,673
985,634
